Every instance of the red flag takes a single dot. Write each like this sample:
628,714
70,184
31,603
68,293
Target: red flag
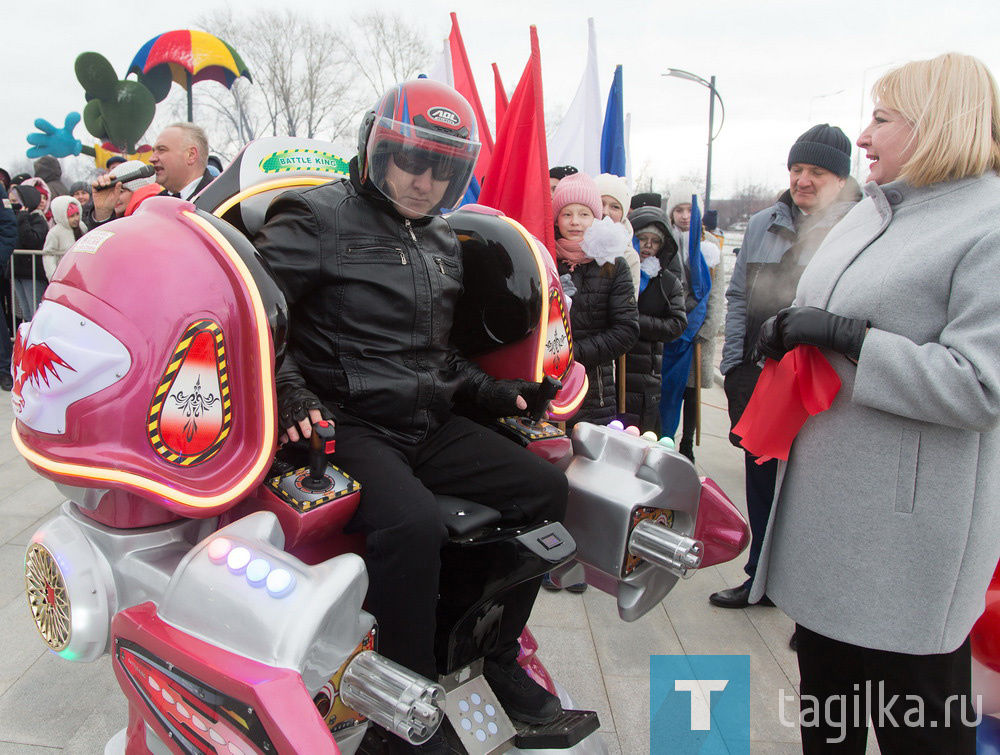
787,393
501,95
465,83
517,182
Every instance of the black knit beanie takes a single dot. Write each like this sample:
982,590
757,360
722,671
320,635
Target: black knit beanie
823,145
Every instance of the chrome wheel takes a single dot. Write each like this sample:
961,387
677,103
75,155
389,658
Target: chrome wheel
47,596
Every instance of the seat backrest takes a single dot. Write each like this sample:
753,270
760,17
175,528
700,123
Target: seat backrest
264,169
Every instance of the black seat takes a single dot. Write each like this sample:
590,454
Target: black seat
463,517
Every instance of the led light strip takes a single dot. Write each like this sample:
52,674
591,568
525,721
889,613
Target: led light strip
278,183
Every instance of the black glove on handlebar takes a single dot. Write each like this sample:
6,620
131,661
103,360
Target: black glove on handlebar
499,397
294,404
809,325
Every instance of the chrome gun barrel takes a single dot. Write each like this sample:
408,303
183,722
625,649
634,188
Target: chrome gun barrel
392,696
664,547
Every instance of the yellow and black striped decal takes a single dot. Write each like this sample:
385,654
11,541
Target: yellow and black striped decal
179,405
553,364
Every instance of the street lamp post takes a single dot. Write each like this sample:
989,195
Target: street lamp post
713,93
861,116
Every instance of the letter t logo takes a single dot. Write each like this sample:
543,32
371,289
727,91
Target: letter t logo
701,691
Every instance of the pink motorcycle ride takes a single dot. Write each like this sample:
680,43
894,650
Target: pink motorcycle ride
212,566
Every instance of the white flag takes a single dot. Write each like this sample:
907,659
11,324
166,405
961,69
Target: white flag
442,70
577,141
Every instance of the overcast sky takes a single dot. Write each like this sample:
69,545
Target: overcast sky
781,65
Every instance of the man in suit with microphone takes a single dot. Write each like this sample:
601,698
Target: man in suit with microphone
112,194
180,157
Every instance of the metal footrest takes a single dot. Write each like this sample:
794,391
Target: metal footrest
572,727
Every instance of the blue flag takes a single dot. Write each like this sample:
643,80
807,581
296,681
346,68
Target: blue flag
678,354
471,195
699,275
613,134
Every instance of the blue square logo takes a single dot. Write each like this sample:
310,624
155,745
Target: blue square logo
699,704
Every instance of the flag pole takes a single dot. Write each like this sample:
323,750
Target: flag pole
621,384
697,394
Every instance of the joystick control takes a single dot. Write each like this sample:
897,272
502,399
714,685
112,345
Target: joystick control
321,442
546,392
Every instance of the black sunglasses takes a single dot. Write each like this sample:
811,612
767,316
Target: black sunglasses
416,165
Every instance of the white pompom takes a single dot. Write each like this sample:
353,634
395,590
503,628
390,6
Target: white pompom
605,241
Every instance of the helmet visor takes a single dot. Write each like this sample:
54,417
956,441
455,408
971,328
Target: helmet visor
423,171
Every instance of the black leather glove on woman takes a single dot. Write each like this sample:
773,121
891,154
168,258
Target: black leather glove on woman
808,325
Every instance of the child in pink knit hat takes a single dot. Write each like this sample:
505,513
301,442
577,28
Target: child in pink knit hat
603,318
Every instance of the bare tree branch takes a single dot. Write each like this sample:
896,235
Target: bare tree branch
309,79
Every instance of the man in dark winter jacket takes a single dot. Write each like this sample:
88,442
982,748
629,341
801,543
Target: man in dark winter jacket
8,238
49,170
29,272
662,318
778,244
372,274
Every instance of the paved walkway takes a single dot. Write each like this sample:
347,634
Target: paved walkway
49,705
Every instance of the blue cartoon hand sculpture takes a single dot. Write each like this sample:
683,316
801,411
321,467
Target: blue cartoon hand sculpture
58,142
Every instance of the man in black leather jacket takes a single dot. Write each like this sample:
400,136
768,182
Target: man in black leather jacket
372,273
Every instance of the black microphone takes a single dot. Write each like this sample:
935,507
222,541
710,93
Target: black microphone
146,171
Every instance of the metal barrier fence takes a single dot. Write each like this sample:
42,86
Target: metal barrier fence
36,286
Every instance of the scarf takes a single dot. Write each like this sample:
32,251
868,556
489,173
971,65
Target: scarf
571,252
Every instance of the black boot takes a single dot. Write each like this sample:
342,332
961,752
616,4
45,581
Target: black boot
687,448
521,696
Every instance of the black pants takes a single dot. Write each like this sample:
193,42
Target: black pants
760,479
404,533
932,713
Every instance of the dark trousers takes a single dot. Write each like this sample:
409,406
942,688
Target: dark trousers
838,680
405,534
760,479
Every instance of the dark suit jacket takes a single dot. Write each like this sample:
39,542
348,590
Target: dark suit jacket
206,179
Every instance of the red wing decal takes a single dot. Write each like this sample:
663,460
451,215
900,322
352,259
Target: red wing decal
34,364
191,413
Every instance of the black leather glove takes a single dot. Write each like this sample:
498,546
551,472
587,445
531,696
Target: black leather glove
294,403
809,325
499,397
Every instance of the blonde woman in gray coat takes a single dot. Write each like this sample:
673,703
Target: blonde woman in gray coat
886,525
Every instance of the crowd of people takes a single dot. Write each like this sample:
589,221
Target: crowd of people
878,535
39,213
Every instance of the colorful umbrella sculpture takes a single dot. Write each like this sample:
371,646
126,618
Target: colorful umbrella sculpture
186,57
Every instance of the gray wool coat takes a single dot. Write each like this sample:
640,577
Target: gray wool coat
886,525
